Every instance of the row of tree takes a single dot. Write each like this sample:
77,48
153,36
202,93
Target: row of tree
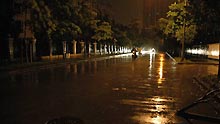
66,20
55,21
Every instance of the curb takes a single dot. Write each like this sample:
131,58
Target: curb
204,63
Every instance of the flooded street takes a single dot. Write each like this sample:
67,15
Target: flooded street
118,90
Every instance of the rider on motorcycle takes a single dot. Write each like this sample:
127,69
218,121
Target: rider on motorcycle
134,55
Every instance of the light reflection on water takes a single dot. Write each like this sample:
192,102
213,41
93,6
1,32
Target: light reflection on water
160,69
155,110
151,65
57,73
153,120
152,99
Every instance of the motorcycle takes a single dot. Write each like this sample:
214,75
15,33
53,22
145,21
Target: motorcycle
134,55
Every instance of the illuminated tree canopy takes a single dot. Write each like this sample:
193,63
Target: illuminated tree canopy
178,22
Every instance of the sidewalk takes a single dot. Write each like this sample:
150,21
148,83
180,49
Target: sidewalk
36,64
197,61
193,60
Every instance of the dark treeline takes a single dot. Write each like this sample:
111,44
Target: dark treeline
51,22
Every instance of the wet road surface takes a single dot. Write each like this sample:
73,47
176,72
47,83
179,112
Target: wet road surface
148,90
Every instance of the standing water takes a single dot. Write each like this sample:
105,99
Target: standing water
115,90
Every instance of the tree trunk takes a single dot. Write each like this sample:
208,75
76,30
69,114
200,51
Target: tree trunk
219,61
182,51
50,49
183,41
184,34
26,51
31,52
22,52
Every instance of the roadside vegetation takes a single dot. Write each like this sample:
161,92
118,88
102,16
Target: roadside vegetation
191,22
56,21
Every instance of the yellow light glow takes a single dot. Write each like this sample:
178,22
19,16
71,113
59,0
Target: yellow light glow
156,106
210,52
158,120
215,53
160,71
151,61
151,65
158,99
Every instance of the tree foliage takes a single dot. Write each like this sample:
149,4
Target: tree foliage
55,21
121,34
64,15
207,17
179,23
103,32
42,19
134,33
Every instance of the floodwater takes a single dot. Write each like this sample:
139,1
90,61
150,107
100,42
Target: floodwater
117,90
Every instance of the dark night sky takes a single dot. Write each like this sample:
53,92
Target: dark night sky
124,11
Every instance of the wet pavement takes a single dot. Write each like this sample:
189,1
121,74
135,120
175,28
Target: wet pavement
118,90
